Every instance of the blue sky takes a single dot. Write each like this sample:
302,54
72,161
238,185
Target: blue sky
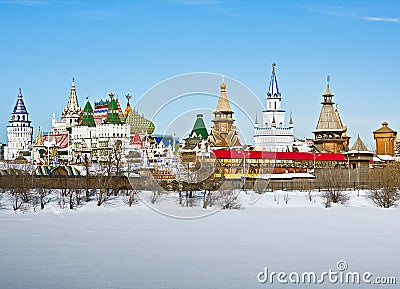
130,46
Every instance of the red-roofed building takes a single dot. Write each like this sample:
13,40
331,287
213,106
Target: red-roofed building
256,163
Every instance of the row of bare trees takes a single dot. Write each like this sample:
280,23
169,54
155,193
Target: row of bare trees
383,186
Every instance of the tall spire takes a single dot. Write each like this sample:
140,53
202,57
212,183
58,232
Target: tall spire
128,108
72,107
273,90
39,139
328,94
291,121
256,120
223,102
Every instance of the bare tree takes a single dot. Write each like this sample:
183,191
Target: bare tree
310,196
335,182
384,185
87,177
19,189
286,198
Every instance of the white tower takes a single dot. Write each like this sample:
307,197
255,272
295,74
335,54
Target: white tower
272,134
72,112
19,131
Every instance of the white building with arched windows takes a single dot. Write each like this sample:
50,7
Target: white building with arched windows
272,134
19,131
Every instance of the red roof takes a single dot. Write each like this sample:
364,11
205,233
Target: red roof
61,140
136,140
296,156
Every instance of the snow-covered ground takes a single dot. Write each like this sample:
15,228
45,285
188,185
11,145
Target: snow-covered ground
117,246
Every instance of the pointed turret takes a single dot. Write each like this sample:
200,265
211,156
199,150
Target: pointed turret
199,130
223,102
39,138
128,108
136,140
72,112
72,106
121,114
330,133
87,115
223,133
256,121
291,121
272,134
273,90
328,94
359,145
113,112
19,107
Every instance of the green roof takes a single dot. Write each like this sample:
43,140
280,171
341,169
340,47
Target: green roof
139,123
113,112
87,115
199,130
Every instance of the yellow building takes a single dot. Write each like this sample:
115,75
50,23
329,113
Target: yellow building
385,139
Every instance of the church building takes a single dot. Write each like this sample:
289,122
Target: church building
273,134
223,132
330,134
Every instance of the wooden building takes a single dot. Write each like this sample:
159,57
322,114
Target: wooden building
385,138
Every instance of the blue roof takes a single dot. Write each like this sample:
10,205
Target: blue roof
273,90
20,106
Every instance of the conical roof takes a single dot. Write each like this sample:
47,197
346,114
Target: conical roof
113,111
199,129
87,115
20,107
136,141
223,102
39,139
359,145
72,107
329,119
273,90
